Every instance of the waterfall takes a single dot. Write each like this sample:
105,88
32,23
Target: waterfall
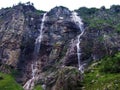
39,38
30,83
78,22
34,66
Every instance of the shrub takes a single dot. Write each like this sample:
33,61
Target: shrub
111,64
1,78
117,28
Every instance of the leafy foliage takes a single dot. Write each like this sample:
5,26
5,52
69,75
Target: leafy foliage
38,87
115,8
7,82
99,18
117,28
104,74
111,64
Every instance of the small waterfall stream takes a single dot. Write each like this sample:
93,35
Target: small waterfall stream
39,38
30,83
78,21
34,66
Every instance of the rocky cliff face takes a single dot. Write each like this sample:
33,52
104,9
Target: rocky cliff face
102,31
57,64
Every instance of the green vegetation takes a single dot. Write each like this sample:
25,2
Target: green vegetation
38,12
117,28
111,64
7,82
101,19
38,87
103,75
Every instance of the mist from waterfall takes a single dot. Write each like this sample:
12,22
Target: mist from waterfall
79,23
34,66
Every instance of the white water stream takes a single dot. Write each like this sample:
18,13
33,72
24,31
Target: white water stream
34,66
39,38
78,21
30,83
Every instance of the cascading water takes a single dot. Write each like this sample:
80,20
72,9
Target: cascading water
78,21
39,38
34,66
30,83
